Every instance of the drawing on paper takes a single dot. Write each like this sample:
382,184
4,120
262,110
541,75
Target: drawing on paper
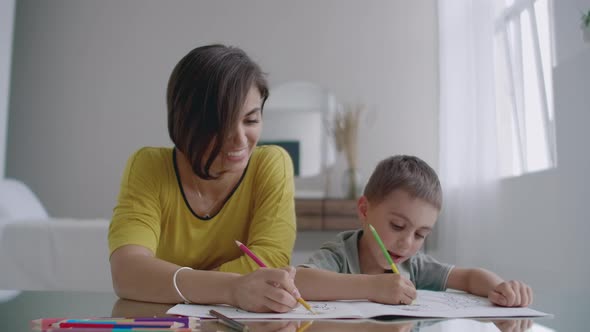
319,308
450,301
427,304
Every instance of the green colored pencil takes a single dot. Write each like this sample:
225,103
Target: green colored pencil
385,252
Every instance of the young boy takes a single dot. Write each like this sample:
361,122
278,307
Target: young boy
402,201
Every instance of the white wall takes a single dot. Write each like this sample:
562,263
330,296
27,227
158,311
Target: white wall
6,33
89,79
537,228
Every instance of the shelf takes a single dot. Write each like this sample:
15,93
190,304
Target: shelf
326,214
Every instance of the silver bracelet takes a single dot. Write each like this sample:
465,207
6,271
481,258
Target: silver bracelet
186,301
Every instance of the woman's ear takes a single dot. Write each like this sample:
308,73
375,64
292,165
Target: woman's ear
362,206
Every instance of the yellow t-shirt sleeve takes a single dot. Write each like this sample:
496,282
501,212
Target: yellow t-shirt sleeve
272,232
137,215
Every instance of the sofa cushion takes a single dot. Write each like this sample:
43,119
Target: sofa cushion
54,254
17,201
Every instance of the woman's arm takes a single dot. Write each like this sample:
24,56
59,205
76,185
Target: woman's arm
138,275
486,283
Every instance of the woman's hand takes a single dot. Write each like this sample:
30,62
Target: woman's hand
391,289
266,290
511,293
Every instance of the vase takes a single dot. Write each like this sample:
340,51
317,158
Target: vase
352,183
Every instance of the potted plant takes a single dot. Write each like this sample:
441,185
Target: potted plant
585,25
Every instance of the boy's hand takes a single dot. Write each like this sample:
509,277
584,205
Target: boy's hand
391,289
265,290
511,293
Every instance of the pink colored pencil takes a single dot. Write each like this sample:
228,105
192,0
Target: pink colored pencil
261,264
250,253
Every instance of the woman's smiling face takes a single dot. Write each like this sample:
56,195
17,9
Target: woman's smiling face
238,147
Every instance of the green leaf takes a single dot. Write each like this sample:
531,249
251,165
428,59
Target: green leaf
586,18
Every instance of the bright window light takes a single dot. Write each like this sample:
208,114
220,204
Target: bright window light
524,88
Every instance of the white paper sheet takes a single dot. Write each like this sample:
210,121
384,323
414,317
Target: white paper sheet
428,304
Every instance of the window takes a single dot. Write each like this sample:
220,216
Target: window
524,90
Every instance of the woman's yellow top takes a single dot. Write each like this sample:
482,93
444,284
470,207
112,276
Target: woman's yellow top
152,212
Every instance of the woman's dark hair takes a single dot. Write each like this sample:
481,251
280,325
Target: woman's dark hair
206,92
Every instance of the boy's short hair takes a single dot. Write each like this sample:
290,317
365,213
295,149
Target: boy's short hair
206,91
407,173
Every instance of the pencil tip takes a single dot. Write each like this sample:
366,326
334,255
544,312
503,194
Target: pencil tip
238,242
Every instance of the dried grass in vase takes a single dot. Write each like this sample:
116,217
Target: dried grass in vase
345,131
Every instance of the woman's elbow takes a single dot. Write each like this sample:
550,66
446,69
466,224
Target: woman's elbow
120,270
119,284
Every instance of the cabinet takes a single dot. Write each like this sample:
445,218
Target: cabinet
326,214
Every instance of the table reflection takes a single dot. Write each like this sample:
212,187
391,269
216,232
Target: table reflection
128,308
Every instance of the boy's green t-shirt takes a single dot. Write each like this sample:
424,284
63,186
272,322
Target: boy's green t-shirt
342,256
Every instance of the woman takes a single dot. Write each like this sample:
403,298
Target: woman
180,210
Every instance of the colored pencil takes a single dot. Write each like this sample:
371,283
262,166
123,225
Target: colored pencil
305,326
166,324
250,254
189,322
100,329
385,252
234,324
129,325
261,264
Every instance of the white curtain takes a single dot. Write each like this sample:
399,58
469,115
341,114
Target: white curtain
468,150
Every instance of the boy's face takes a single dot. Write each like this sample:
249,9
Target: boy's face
402,221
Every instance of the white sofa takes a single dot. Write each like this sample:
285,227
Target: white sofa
38,252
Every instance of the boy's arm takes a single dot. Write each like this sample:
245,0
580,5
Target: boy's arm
486,283
317,285
475,281
322,285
